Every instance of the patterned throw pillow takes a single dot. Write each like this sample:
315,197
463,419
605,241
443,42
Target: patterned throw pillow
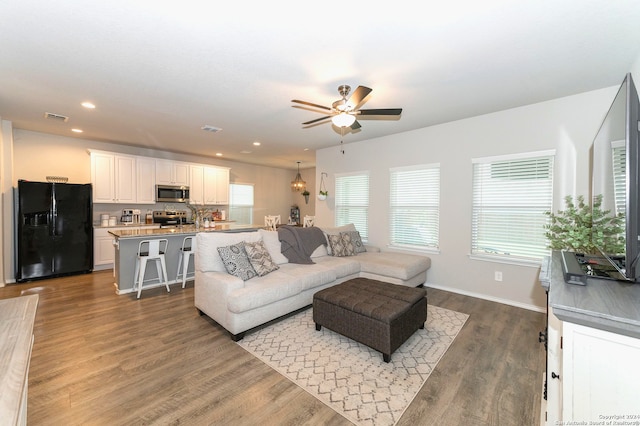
341,245
356,240
236,261
260,258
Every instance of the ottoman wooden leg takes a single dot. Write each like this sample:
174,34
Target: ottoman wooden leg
386,357
318,327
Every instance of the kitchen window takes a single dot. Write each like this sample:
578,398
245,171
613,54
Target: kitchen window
241,203
352,201
415,206
510,196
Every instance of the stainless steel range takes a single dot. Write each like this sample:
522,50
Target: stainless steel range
168,218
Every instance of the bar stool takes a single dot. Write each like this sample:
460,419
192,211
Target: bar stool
151,250
188,250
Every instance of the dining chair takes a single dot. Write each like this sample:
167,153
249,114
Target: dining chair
271,222
308,221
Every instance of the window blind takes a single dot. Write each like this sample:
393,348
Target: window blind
415,206
352,201
241,203
510,197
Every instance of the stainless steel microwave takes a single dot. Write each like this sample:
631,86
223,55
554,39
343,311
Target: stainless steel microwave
172,194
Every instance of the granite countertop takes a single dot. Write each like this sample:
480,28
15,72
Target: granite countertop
186,229
608,305
125,225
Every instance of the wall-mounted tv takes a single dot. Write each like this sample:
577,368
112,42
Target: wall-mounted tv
616,178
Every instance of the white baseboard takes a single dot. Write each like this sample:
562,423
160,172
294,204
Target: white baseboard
485,297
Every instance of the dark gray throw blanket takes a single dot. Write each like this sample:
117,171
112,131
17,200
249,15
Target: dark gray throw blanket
297,243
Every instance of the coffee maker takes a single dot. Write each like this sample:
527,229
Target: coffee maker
127,216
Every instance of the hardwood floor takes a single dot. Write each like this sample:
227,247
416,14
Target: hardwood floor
103,359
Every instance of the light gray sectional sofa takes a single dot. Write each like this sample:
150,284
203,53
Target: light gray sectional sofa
239,305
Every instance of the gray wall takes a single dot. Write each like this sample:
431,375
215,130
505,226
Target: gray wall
567,125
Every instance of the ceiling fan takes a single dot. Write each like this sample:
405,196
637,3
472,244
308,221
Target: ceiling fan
343,112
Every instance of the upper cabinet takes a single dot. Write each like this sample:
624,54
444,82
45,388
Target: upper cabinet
172,173
113,178
209,185
130,179
146,180
216,185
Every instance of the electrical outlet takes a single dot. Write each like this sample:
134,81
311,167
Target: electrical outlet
498,276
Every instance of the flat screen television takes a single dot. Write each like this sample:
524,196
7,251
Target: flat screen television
616,178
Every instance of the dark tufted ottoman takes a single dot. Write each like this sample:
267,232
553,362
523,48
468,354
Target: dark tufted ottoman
377,314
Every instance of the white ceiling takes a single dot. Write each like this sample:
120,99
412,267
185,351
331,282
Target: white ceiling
160,70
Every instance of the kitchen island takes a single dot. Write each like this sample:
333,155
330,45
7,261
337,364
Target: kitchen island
126,249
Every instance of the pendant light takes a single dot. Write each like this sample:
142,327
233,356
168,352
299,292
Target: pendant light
298,184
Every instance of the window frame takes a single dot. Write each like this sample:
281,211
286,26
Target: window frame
250,207
428,205
546,199
356,203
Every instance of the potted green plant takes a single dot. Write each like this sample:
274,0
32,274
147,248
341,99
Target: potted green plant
571,229
306,194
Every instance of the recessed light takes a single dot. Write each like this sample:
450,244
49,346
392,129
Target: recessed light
256,143
218,154
76,130
88,105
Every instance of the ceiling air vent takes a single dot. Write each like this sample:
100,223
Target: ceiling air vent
57,117
212,129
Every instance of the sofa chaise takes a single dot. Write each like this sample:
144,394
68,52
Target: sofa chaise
239,305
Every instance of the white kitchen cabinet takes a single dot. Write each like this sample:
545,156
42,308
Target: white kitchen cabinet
601,376
113,178
209,185
103,249
196,187
172,173
216,185
145,180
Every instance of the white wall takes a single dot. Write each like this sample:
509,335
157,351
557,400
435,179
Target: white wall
34,156
567,125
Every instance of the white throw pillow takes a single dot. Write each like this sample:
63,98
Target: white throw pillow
274,247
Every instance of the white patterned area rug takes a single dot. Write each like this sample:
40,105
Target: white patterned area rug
350,377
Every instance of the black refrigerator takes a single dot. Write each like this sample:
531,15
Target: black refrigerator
54,233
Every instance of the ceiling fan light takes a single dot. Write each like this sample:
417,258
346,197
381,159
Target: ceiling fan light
343,119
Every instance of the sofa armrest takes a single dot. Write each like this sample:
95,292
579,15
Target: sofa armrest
211,292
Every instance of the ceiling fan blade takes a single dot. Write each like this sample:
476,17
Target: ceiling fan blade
316,120
383,111
358,95
311,104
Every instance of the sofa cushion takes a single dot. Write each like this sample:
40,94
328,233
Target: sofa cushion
273,245
207,243
260,258
309,276
236,261
391,264
262,291
342,266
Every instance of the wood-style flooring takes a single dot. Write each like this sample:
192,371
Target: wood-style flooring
103,359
